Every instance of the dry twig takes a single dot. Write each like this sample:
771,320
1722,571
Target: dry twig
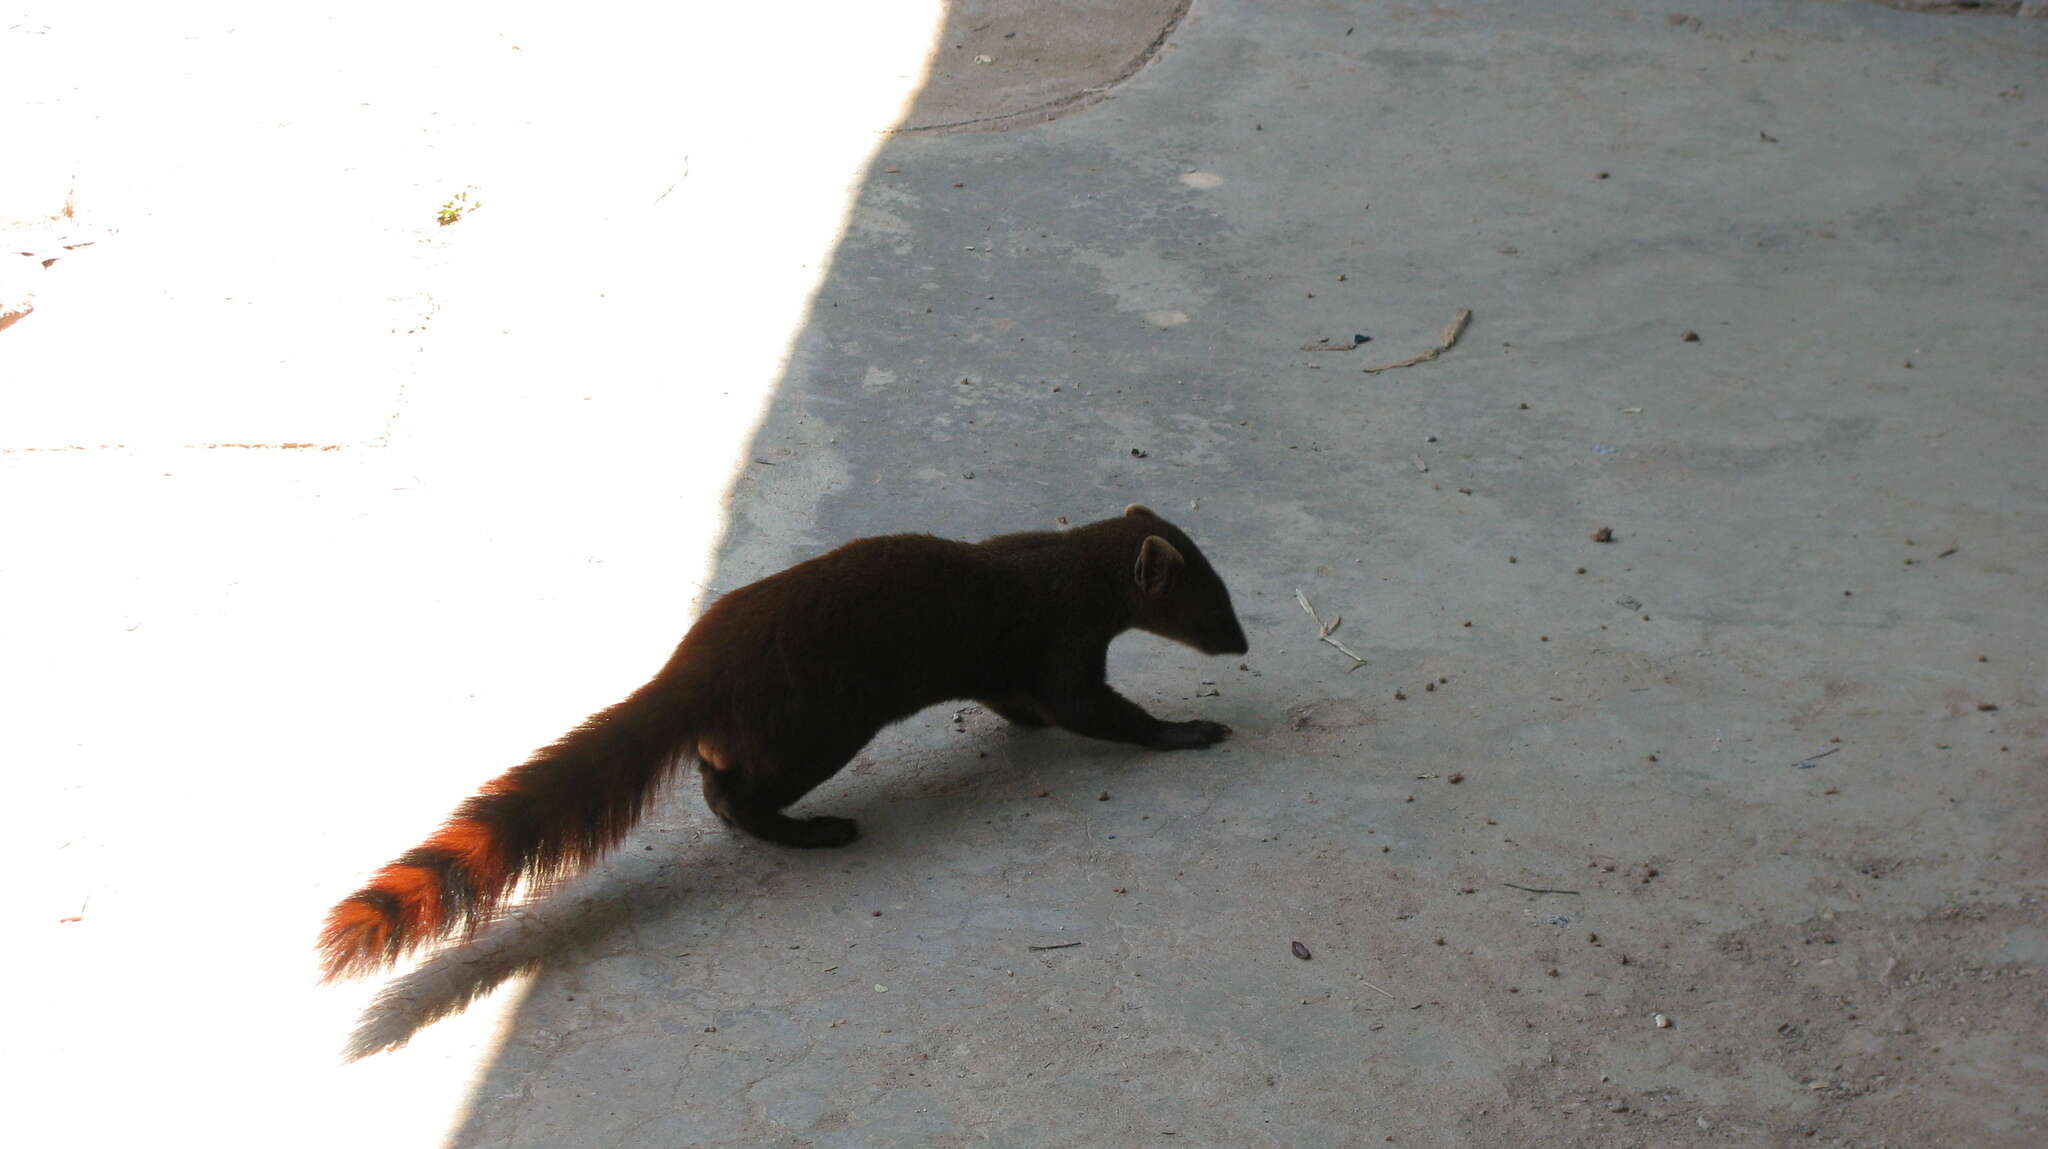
1444,342
1327,629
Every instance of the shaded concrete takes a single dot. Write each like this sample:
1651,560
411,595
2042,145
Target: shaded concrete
1753,288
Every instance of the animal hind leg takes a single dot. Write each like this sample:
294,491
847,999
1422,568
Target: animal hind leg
749,802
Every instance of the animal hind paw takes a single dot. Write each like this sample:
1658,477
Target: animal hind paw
1194,734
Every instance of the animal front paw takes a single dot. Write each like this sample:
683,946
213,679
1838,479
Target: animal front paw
1194,734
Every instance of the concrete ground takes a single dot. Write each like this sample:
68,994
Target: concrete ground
1731,830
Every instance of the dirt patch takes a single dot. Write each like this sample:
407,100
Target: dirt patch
28,248
1915,1031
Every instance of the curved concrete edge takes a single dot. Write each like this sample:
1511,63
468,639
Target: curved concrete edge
1048,89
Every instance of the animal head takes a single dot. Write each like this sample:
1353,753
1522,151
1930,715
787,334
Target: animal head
1179,595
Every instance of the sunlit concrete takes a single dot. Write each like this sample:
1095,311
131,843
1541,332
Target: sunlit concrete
238,676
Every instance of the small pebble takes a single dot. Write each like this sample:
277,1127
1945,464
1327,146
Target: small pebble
1661,1021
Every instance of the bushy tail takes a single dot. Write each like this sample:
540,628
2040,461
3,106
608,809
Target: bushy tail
543,820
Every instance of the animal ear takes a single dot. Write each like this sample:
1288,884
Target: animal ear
1140,511
1158,563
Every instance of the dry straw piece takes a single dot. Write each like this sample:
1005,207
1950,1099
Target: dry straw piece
1444,342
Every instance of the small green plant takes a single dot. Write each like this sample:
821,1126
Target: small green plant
457,206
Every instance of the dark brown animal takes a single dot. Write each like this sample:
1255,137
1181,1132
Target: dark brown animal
780,683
